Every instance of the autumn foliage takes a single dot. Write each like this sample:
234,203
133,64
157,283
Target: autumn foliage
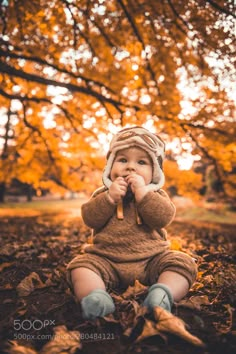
73,72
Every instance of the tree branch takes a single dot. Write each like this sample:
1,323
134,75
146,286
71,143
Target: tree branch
23,98
175,12
137,34
220,8
6,137
91,82
68,116
5,68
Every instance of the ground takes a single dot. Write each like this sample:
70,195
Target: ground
38,313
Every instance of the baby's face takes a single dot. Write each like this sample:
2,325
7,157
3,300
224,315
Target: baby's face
132,160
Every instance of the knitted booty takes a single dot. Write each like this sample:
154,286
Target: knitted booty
159,295
98,303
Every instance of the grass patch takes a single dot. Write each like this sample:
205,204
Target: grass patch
43,204
222,216
38,207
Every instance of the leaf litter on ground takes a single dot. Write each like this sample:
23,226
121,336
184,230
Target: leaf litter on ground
33,286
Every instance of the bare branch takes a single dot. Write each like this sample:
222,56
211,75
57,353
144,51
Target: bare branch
221,9
175,12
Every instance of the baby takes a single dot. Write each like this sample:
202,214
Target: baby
128,216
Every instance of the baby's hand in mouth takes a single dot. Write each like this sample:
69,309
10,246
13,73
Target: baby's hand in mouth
126,177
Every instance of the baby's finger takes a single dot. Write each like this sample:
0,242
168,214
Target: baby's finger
130,178
123,188
122,182
122,193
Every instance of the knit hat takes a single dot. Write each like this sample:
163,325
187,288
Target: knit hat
142,138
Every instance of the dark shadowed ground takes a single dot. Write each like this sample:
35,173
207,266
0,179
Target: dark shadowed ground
39,315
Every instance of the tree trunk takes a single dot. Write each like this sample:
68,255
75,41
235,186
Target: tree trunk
29,193
2,192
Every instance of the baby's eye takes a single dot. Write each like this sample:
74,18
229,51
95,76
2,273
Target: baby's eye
122,159
142,162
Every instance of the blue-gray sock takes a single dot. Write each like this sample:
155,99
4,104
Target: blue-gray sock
98,303
159,295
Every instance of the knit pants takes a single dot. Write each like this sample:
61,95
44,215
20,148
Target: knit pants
118,276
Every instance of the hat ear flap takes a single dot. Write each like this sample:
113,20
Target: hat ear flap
107,170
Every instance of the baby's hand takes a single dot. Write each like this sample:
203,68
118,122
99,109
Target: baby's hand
135,181
137,185
118,189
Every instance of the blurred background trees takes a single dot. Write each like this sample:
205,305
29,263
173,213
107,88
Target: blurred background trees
74,72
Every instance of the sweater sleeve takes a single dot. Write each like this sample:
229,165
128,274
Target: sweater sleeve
97,211
156,209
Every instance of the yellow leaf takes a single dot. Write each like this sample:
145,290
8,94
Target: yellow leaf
14,348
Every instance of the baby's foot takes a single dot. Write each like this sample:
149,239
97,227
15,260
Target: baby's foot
98,303
159,295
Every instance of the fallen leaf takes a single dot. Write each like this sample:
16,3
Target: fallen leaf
226,327
197,286
29,284
200,300
137,324
63,341
13,347
5,265
195,302
135,290
208,279
9,249
149,330
168,323
128,310
8,286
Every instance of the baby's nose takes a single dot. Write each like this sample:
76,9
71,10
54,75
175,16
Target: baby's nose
131,166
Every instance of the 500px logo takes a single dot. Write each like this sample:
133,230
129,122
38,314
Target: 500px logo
37,325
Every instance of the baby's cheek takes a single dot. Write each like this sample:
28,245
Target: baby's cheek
114,176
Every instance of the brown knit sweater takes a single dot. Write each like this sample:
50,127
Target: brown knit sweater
125,240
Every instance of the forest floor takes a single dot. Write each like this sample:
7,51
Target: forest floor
38,313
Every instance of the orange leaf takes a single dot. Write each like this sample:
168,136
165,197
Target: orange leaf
63,341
